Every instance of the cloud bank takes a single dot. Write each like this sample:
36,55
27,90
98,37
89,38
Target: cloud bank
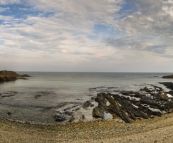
79,35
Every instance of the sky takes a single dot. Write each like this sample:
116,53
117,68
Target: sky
86,35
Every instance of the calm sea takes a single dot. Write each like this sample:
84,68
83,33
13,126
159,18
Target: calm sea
37,98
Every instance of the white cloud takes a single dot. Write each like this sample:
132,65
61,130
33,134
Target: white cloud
4,2
57,37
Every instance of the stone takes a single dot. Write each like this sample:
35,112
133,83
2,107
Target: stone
87,104
59,118
98,113
153,102
101,99
68,112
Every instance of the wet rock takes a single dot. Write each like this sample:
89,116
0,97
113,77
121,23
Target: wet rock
68,112
82,117
43,93
71,119
146,89
92,98
127,92
98,112
131,105
59,118
87,104
37,96
101,99
8,94
168,84
77,109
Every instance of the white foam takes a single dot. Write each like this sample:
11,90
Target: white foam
107,116
169,95
107,103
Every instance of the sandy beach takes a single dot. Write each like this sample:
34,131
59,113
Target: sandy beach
158,129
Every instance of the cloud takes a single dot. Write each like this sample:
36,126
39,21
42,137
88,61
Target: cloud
4,9
69,35
4,2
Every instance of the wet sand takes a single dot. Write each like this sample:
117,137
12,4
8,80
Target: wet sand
158,129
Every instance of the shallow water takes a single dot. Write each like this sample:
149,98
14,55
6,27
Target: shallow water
38,98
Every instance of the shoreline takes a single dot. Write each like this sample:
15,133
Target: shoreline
93,131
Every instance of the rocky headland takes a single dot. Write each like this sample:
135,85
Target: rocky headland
11,76
168,76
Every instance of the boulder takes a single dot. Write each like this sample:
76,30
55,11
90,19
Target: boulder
59,117
98,112
101,99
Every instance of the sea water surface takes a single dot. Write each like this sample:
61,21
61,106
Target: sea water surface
37,99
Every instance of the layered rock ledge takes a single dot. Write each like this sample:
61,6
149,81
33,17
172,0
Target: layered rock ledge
11,76
130,105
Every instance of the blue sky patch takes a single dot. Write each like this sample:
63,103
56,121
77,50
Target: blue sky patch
1,42
102,30
127,8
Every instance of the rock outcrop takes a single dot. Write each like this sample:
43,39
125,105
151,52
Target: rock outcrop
168,76
11,76
129,105
169,85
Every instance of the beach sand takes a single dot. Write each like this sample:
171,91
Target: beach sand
156,130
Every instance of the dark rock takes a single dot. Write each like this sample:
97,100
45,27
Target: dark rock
98,112
37,96
146,89
127,92
68,112
25,75
168,84
87,104
101,99
43,93
77,109
9,94
9,113
152,102
168,76
10,76
59,117
92,98
82,117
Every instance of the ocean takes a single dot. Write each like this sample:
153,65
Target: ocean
37,99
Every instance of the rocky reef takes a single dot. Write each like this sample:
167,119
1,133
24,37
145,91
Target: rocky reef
168,76
11,76
125,106
130,105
